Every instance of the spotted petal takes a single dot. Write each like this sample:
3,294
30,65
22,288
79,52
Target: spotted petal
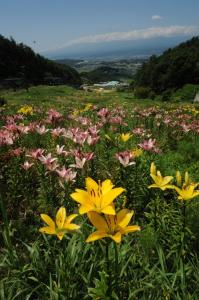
48,220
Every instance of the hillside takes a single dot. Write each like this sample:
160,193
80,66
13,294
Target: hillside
171,70
21,66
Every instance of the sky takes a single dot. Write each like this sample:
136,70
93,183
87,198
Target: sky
52,24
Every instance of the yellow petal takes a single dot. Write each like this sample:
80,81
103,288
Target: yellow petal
109,210
91,184
124,217
60,235
153,168
70,218
98,221
111,195
106,186
47,230
117,237
131,228
71,226
80,196
85,209
178,178
155,178
166,180
153,186
48,220
97,235
186,178
60,217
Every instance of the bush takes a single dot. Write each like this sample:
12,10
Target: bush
2,101
142,92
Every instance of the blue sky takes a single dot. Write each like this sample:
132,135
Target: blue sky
57,23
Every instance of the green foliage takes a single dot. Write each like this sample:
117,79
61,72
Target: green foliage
171,70
21,67
142,92
187,93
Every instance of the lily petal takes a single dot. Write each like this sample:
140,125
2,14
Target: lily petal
106,186
48,220
60,217
109,210
47,230
124,217
85,209
70,218
132,228
91,184
97,235
71,226
98,221
117,237
111,195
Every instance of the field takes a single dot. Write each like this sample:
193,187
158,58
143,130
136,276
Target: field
99,196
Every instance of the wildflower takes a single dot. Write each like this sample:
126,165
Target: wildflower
125,137
125,157
27,165
26,110
160,181
149,145
62,224
60,150
111,226
187,191
35,154
41,129
66,174
97,197
79,163
136,152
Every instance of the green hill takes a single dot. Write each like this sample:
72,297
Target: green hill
21,66
171,70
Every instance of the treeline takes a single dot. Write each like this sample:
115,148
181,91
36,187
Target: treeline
21,66
105,73
171,70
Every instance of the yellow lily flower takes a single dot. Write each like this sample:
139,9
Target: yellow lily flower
178,178
111,226
187,192
160,181
137,152
153,169
125,136
97,197
61,226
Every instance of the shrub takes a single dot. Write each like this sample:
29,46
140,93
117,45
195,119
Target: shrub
142,92
3,101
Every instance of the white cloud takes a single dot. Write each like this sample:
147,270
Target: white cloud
138,34
156,17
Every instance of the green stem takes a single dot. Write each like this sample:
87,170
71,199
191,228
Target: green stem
183,239
109,291
155,214
116,269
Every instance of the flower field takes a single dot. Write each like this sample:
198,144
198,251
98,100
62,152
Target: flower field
99,201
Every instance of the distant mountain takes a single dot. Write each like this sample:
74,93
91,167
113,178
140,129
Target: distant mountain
171,70
114,50
21,66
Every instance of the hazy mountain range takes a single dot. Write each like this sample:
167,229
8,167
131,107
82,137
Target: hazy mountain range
116,49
